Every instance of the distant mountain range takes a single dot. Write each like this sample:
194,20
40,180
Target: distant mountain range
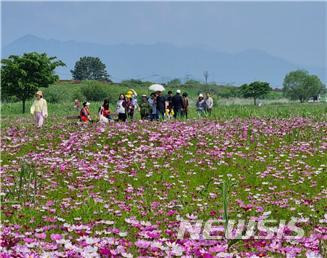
162,62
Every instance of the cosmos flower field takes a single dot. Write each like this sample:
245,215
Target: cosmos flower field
122,190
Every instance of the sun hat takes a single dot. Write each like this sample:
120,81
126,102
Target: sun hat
178,91
40,93
143,95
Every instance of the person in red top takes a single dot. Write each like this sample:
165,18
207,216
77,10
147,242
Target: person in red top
85,113
104,111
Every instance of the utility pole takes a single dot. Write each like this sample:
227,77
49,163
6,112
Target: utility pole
206,75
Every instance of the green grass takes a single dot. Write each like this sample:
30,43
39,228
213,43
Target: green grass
225,108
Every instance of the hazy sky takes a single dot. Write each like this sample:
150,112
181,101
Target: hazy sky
295,31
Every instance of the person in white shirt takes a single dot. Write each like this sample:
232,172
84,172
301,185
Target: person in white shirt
121,108
39,109
209,103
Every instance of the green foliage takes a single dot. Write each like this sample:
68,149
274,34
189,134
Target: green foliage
94,91
53,95
227,91
174,83
302,86
255,90
9,99
273,95
25,186
224,193
90,68
77,95
191,83
21,76
135,84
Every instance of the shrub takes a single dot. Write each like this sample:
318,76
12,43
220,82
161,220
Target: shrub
77,95
9,99
53,95
94,91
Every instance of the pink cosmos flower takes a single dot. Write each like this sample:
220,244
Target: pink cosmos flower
259,209
155,205
244,132
171,212
142,244
213,213
28,240
104,251
62,167
41,235
55,237
49,203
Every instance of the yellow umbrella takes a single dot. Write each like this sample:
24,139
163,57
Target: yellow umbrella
131,93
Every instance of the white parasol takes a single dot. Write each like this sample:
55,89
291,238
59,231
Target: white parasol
156,87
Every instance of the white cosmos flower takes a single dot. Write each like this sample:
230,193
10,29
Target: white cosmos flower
91,240
122,234
90,251
310,254
176,250
159,245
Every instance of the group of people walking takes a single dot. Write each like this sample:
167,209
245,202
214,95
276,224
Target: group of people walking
159,107
153,107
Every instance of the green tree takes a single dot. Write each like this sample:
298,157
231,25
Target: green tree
174,83
21,76
301,85
90,68
255,90
192,83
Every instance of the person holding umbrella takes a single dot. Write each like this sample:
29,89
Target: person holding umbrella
157,101
129,105
177,103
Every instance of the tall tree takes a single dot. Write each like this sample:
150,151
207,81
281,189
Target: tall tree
255,90
301,85
90,68
21,76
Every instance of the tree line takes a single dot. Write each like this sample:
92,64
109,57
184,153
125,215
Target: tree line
21,76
